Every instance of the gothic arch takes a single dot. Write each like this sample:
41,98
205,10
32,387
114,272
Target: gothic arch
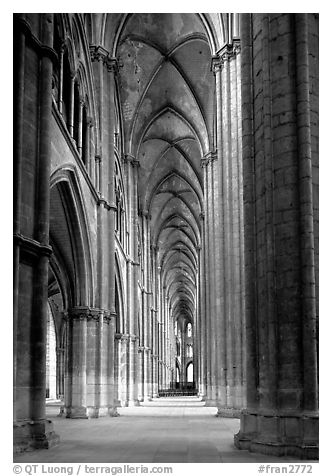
119,296
69,235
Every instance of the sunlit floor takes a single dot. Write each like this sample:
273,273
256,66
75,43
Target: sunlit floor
166,430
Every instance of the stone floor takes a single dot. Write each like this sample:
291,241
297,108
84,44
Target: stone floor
173,430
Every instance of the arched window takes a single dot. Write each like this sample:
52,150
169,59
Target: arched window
189,330
85,135
51,363
178,348
189,350
177,374
190,373
77,106
66,89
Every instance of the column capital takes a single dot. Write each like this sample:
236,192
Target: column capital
130,159
227,52
208,158
103,201
31,247
101,54
145,213
82,313
90,122
98,53
108,317
124,338
112,64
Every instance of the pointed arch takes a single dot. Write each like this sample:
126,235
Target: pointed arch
72,240
119,297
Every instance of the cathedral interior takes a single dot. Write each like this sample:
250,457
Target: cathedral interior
166,223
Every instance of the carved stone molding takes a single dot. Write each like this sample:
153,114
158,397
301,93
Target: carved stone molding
208,158
99,53
130,159
125,338
32,248
225,54
107,318
112,64
83,313
102,201
39,47
145,213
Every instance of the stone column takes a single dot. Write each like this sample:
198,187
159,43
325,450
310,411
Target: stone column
281,416
31,228
211,399
90,364
111,362
140,374
117,370
91,166
71,107
112,68
146,297
60,355
80,127
124,370
154,356
132,171
228,248
202,334
76,406
60,98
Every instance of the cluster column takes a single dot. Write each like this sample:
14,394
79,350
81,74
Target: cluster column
282,410
225,239
32,151
132,279
89,377
147,298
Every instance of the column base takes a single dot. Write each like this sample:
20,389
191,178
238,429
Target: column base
145,400
113,412
210,403
32,435
279,435
76,412
133,403
97,412
228,412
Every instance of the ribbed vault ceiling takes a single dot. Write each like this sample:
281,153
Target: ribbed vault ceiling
166,91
